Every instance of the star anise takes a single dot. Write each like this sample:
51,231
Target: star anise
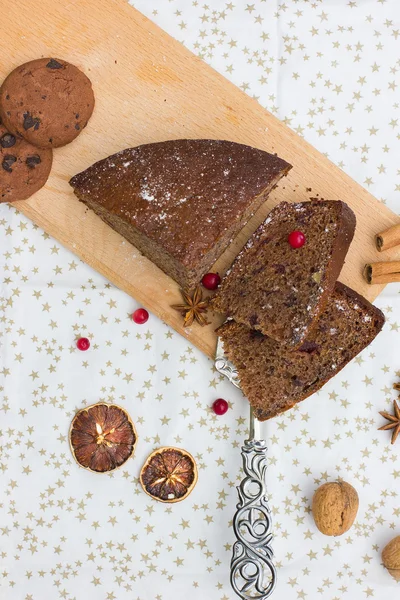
394,421
193,308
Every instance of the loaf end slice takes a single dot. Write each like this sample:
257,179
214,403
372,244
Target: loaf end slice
275,379
180,202
280,290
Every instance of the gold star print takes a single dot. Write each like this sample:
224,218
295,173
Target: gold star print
332,125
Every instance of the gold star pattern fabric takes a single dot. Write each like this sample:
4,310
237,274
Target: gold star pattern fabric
330,70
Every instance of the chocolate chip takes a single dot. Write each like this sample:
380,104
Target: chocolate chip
7,96
7,140
77,127
259,270
309,347
290,300
30,121
279,269
266,240
54,64
307,387
8,162
77,116
296,382
253,320
32,161
255,334
44,97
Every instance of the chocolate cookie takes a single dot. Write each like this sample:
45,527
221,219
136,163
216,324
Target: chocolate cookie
24,169
47,102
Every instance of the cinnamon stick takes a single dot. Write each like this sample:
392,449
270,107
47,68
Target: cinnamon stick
388,238
382,272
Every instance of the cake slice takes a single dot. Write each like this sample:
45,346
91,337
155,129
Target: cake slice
180,202
275,379
280,290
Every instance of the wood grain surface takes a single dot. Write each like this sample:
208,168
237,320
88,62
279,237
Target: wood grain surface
149,88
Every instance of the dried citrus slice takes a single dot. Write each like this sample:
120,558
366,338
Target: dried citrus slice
102,437
169,474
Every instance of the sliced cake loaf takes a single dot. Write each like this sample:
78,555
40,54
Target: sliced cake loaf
274,379
279,289
180,202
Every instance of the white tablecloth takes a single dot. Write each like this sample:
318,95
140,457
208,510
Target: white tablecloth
330,70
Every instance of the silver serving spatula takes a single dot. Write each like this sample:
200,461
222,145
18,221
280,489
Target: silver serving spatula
253,573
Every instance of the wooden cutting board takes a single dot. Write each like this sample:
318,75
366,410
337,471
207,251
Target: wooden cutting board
149,88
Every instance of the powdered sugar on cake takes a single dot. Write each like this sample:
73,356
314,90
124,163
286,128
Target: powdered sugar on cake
146,195
187,197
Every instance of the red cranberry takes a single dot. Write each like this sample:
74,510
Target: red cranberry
211,281
297,239
140,316
220,406
83,344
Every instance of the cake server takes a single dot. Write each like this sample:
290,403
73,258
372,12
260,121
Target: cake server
253,573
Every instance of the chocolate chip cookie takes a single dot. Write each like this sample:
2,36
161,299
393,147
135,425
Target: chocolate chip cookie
47,102
24,169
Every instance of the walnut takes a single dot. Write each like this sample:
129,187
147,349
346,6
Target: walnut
391,557
335,507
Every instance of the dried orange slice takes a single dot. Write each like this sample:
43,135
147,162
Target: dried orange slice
169,474
102,437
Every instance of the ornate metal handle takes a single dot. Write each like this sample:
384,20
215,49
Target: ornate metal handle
253,573
226,368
